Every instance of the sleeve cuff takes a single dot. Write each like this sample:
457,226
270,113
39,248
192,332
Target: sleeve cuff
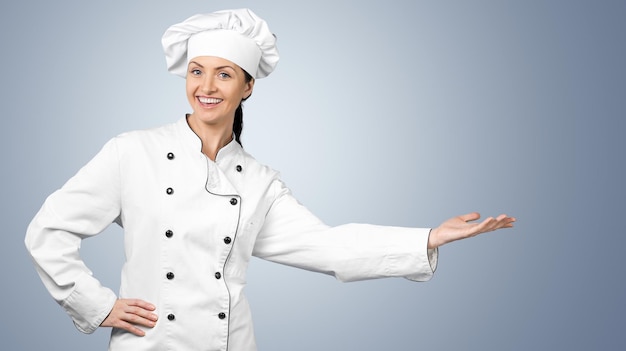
89,304
433,256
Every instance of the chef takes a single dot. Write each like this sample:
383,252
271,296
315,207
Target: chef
195,207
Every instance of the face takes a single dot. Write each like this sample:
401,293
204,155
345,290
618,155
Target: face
215,88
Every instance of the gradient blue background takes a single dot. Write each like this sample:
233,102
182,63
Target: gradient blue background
387,112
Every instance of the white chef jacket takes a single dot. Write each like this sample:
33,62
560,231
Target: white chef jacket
191,226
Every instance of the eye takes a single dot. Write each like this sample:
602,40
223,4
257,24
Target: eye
195,72
223,75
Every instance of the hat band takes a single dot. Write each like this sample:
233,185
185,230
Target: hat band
227,44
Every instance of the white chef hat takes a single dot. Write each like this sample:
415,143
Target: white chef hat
237,35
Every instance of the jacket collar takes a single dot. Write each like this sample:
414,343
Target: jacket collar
193,142
227,159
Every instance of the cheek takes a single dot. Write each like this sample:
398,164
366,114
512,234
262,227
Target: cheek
190,91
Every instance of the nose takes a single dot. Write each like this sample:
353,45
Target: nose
208,84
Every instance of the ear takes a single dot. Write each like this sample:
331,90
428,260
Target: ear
248,89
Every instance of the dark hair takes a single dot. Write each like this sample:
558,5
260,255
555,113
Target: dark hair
238,122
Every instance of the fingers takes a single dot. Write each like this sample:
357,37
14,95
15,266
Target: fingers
140,304
506,221
487,225
128,314
502,221
130,328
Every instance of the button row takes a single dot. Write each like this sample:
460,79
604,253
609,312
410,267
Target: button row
233,201
169,234
172,317
170,275
170,156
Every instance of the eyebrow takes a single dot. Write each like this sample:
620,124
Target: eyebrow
217,68
190,62
222,67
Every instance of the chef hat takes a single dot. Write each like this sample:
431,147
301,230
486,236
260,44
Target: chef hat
238,35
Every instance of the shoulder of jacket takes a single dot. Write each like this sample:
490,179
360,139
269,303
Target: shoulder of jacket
142,136
258,168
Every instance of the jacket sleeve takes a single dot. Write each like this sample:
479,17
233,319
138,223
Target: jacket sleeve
293,236
83,207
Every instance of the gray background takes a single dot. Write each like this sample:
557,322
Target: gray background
396,113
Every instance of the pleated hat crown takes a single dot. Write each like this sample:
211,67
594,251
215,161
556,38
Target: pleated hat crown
239,36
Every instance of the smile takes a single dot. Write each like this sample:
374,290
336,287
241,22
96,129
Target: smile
208,100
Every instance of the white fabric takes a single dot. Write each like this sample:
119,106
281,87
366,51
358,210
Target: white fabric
126,182
229,34
228,44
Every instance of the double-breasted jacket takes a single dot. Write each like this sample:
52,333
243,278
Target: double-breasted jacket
191,226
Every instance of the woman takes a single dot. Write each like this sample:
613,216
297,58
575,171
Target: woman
195,207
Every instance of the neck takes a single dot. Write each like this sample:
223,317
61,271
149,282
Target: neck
213,137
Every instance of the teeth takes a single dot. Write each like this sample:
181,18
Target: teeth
206,100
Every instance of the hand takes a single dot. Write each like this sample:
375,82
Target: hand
459,228
127,313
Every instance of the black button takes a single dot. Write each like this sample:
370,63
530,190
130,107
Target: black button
169,275
170,156
169,191
221,315
169,233
218,275
233,201
171,317
238,168
227,240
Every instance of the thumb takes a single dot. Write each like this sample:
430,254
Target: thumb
470,216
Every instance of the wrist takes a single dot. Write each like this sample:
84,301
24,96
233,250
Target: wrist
431,239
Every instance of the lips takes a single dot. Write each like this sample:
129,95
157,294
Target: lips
209,100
